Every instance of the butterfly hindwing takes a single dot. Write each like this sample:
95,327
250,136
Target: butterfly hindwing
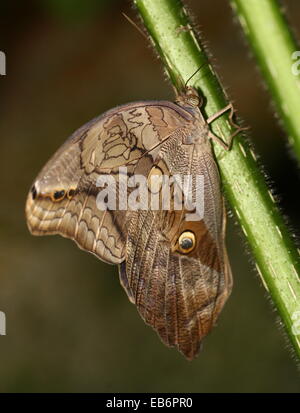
179,295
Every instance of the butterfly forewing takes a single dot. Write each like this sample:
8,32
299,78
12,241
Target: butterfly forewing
63,197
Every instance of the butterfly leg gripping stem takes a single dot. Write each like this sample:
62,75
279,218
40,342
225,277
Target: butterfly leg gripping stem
225,145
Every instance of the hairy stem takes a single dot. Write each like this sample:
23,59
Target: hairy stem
278,57
276,256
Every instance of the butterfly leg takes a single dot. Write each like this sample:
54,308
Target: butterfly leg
221,112
181,29
225,145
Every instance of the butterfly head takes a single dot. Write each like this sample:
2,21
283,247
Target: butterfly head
189,98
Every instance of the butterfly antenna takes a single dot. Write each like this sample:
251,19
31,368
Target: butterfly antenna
135,25
198,70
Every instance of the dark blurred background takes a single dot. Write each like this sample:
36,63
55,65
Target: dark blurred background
70,326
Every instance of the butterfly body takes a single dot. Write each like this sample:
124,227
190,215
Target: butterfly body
173,266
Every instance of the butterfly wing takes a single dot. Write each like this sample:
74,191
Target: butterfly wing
63,198
179,295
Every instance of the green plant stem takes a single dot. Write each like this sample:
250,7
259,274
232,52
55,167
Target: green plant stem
273,46
276,257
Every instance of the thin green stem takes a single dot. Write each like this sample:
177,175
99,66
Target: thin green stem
275,50
276,257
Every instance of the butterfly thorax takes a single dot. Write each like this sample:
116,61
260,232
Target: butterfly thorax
197,132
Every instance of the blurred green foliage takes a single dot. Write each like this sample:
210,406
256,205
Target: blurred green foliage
74,9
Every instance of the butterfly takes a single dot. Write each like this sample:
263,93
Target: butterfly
175,270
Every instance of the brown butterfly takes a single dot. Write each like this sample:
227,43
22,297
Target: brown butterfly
175,270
